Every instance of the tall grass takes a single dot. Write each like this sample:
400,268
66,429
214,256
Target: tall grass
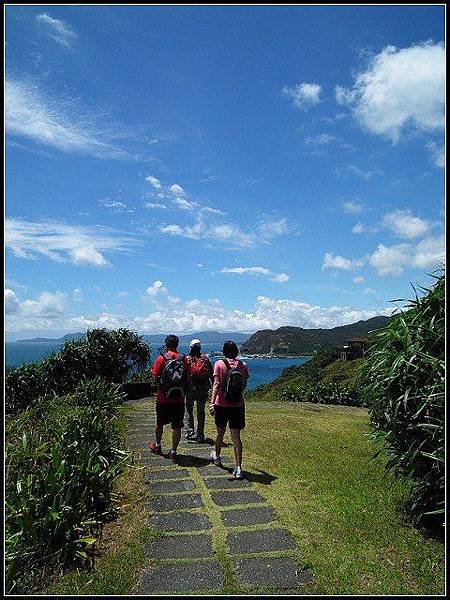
62,455
404,384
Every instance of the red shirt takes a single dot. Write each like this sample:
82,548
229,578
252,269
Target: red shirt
220,371
157,370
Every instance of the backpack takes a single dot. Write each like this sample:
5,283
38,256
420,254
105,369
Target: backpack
201,369
173,378
233,384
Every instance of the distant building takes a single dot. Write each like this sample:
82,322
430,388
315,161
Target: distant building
355,347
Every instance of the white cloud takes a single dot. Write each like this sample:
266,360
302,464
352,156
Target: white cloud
358,280
57,122
184,204
154,181
78,295
58,30
369,290
122,294
156,289
226,232
12,305
352,208
363,174
211,210
400,88
392,260
304,94
437,154
358,228
404,224
270,228
320,140
154,205
114,205
60,242
278,277
332,261
177,190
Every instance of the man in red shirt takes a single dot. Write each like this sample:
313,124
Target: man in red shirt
171,372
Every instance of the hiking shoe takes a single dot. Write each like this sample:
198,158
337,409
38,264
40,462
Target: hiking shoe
237,473
154,448
190,433
172,455
215,458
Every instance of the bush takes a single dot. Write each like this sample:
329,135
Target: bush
321,393
62,455
404,387
112,355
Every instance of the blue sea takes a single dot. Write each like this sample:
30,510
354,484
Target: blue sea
262,370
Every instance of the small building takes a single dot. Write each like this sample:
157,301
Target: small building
355,347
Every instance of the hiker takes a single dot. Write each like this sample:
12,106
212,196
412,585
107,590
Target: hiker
171,372
227,403
201,371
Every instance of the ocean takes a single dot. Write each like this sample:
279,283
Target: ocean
262,370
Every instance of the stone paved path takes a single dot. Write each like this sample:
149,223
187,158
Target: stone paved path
215,536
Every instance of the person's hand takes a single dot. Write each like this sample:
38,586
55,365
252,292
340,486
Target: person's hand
212,411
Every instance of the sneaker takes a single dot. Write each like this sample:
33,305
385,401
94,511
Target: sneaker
237,473
200,439
190,433
154,448
215,458
172,455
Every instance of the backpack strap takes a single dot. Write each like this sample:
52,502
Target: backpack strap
227,364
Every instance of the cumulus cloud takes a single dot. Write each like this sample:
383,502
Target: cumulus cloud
12,305
358,228
225,232
184,204
278,277
304,94
56,122
332,261
404,224
62,243
177,190
270,228
437,154
401,88
153,181
392,260
156,289
48,310
58,30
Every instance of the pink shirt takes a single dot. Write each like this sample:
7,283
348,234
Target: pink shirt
220,371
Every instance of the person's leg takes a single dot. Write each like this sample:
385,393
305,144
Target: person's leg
158,433
190,413
237,446
202,397
219,439
176,436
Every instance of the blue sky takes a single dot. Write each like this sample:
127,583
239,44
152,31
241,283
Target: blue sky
234,168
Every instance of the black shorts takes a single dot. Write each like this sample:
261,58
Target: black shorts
234,416
170,413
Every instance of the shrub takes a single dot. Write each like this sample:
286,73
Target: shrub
404,386
62,455
112,355
321,393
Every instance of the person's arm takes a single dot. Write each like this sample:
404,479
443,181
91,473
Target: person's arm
157,367
215,391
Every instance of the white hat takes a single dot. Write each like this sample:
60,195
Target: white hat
194,342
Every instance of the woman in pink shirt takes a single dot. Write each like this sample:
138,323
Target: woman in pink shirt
227,402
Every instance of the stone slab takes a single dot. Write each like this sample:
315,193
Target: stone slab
248,516
181,521
229,498
181,546
166,474
280,573
167,487
223,483
188,577
266,540
162,503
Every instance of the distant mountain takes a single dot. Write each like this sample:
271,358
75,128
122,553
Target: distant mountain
297,341
207,337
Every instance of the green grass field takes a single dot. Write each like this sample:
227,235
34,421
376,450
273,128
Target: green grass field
318,473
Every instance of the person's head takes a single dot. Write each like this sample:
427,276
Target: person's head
230,350
171,342
195,347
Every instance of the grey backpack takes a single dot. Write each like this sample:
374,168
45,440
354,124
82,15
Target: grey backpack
233,384
173,379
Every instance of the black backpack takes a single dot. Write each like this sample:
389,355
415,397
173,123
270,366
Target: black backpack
173,380
233,384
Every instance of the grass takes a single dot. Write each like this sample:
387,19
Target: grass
342,507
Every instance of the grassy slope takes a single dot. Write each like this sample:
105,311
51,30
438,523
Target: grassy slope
342,507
